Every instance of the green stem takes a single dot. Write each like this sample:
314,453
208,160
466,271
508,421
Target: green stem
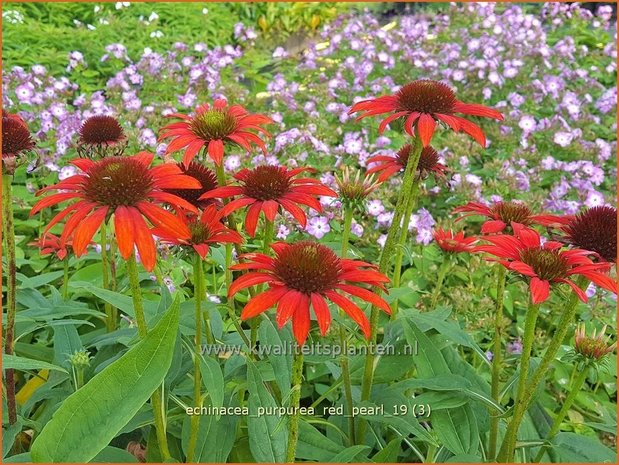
442,272
109,321
11,307
140,319
509,443
540,372
221,180
267,238
497,357
399,252
295,398
199,291
390,242
567,404
348,217
136,295
65,279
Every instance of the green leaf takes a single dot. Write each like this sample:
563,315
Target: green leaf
572,447
66,342
8,436
390,453
456,428
215,440
281,363
348,454
90,418
114,455
25,364
213,380
313,445
464,458
267,439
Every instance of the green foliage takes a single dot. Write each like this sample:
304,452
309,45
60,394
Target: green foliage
90,418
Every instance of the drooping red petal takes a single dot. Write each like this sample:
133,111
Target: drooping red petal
248,280
321,310
251,218
235,205
262,302
164,220
540,290
143,240
493,226
53,200
426,126
389,119
301,319
473,130
366,295
579,292
286,307
351,310
87,229
123,227
475,109
522,268
216,151
295,211
191,151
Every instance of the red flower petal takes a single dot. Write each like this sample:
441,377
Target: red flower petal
426,126
366,295
262,302
321,310
216,151
87,229
493,226
248,280
123,227
540,290
143,240
351,310
301,319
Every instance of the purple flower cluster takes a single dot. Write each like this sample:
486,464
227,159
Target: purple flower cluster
557,141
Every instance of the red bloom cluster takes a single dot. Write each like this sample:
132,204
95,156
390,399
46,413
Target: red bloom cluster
502,214
307,274
265,189
422,103
547,263
130,190
210,127
449,242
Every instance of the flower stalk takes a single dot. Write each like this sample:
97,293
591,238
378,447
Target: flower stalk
110,321
199,292
509,443
442,273
397,272
567,404
497,356
140,319
11,308
348,217
295,398
538,375
392,236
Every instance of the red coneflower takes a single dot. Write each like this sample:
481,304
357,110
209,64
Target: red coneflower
594,229
211,127
206,230
205,176
15,140
307,274
388,165
422,103
545,263
502,214
50,243
453,244
124,187
103,130
266,188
